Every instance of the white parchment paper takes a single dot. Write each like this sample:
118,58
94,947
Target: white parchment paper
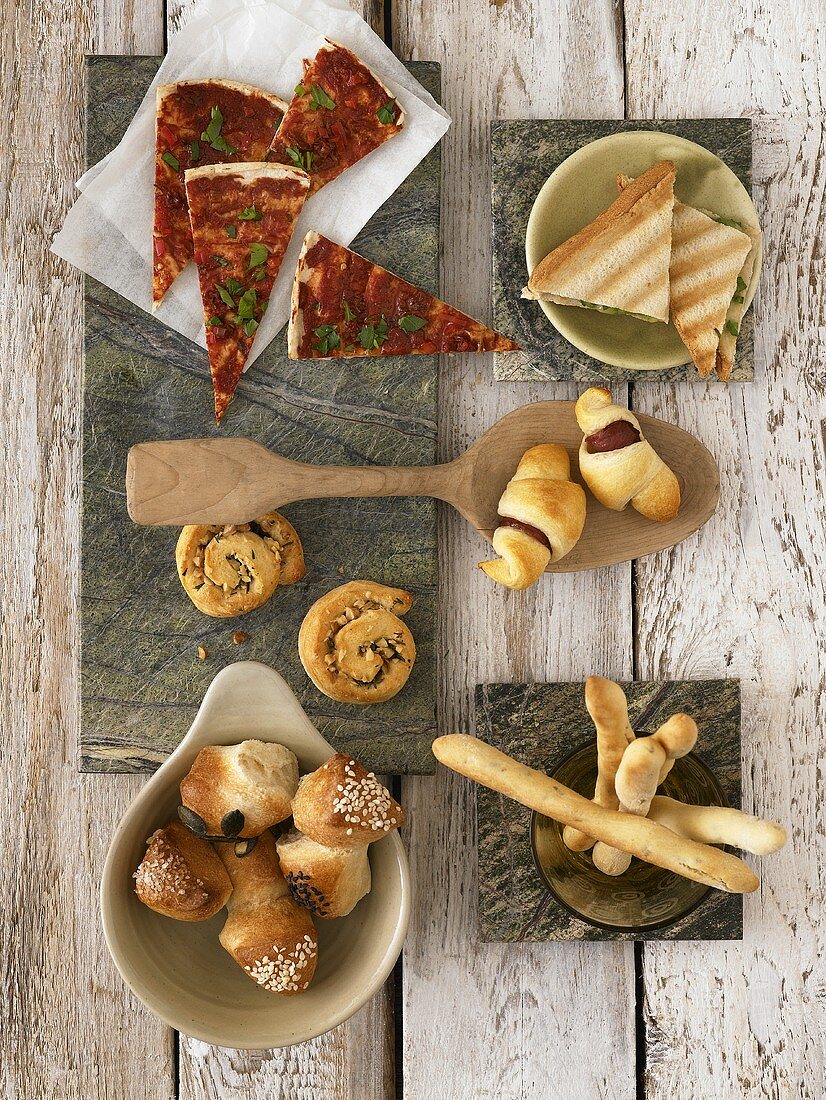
108,231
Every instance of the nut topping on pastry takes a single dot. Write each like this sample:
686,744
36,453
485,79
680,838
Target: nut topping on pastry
353,645
229,571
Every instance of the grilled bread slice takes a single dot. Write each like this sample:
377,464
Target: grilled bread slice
618,263
711,266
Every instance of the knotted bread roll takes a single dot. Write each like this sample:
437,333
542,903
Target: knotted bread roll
180,875
258,778
543,513
328,881
618,463
228,571
342,805
267,933
353,645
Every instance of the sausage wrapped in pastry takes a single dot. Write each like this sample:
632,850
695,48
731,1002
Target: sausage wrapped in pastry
543,513
228,571
618,463
353,645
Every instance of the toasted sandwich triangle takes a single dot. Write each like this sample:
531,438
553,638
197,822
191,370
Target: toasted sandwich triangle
621,259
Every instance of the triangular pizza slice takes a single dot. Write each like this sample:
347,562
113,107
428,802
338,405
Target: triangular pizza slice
242,217
339,113
344,306
200,122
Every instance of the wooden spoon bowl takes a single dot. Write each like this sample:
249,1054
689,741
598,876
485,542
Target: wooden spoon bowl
223,481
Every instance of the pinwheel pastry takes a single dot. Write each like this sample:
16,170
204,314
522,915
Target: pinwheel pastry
229,571
353,645
543,513
618,463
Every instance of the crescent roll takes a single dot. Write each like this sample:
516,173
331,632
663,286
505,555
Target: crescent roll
618,463
543,513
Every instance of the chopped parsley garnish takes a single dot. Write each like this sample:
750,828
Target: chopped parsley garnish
220,261
328,338
171,160
231,231
730,222
373,336
732,328
300,89
738,293
264,305
212,135
258,255
319,98
348,313
411,323
258,274
250,214
225,295
300,159
213,321
386,112
250,326
247,304
234,287
195,151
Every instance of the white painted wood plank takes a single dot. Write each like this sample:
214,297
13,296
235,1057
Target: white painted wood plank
746,597
70,1027
486,1020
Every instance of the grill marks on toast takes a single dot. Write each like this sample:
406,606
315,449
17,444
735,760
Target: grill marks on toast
621,259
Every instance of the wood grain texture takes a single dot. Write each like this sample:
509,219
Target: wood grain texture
484,1020
70,1028
754,583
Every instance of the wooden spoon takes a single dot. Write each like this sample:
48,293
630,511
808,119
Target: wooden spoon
223,481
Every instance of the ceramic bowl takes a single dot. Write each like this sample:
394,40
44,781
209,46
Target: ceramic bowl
179,970
581,188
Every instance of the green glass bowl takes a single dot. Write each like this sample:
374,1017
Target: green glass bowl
646,897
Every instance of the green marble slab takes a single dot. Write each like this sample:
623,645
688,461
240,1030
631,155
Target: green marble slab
142,680
543,724
523,153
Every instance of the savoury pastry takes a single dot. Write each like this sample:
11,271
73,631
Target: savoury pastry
228,571
353,645
543,513
329,882
342,805
180,875
618,463
269,935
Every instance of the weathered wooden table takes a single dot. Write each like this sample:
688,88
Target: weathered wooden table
745,598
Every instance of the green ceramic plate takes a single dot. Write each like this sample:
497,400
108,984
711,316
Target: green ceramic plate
581,188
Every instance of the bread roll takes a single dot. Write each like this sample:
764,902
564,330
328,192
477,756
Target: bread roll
543,513
267,933
256,777
342,805
327,881
181,876
618,463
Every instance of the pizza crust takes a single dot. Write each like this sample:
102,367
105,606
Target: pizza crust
248,171
295,329
165,90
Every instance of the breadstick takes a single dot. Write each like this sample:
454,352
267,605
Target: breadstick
608,708
678,736
643,838
636,784
718,825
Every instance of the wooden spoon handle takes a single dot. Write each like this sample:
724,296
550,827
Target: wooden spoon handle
313,482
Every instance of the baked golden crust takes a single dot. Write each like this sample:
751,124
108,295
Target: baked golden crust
267,933
342,805
180,876
540,495
634,473
229,571
353,645
329,882
259,778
